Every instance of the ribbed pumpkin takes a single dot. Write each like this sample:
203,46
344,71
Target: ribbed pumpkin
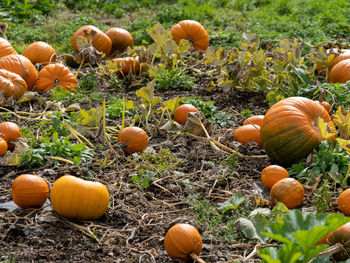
344,202
289,131
9,131
255,119
272,174
340,235
56,75
182,239
193,31
12,84
134,138
6,48
127,64
340,72
29,191
100,40
22,66
3,147
248,133
75,198
287,191
40,52
121,38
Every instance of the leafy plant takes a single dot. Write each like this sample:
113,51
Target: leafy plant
174,79
88,81
143,178
322,197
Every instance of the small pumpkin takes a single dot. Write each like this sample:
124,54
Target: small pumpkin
181,112
22,66
56,75
340,72
6,48
287,191
344,202
255,119
40,52
127,64
193,31
29,191
3,147
75,198
133,140
121,38
181,240
272,174
289,131
12,84
248,133
100,40
9,131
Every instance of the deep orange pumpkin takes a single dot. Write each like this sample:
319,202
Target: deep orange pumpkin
100,40
289,131
287,191
6,48
193,31
134,138
56,75
40,52
181,112
340,72
272,174
12,84
127,64
340,235
9,131
344,202
248,133
255,119
182,239
3,147
22,66
121,38
29,191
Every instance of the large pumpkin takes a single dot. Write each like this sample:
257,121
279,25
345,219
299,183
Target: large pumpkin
193,31
56,75
22,66
340,72
75,198
6,48
12,84
100,40
40,52
120,37
289,131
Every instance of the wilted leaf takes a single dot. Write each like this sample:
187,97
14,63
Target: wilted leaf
170,126
172,104
89,55
247,227
325,130
28,96
90,118
193,124
342,119
13,158
233,203
3,28
147,94
345,144
73,107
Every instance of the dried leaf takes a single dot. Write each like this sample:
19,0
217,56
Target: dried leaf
28,96
193,124
3,28
13,158
89,55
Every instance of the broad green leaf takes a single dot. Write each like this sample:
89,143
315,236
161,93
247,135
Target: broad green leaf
78,147
287,254
305,78
232,203
325,129
247,227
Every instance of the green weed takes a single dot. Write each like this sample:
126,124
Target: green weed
174,79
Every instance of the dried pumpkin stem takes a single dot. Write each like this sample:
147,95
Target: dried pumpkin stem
195,257
123,114
62,159
208,136
77,135
21,117
329,251
105,135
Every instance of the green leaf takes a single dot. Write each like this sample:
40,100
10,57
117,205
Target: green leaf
90,118
247,227
304,77
232,203
78,147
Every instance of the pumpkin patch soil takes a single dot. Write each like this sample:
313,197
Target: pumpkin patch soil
134,226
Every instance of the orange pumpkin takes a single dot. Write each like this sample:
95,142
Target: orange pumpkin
340,236
289,131
339,55
255,119
182,239
121,38
340,72
22,66
193,31
29,191
344,202
56,75
3,147
127,64
40,52
12,84
248,133
272,174
135,139
6,48
100,40
287,191
181,112
9,131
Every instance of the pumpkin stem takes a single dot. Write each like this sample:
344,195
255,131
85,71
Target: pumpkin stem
195,257
330,251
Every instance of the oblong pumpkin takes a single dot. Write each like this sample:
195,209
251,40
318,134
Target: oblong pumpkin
191,30
12,84
340,72
289,131
121,38
248,133
134,138
6,48
255,119
287,191
75,198
100,40
40,52
56,75
22,66
127,64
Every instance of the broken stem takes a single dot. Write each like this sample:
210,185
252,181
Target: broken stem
195,257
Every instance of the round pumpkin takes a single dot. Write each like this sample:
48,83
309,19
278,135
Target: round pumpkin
193,31
127,64
344,202
287,191
121,38
340,235
133,140
9,131
255,119
339,55
272,174
289,131
248,133
181,112
3,147
100,40
56,75
6,48
40,52
29,191
75,198
340,72
12,84
22,66
182,239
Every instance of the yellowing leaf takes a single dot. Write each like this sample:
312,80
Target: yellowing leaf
129,105
345,144
172,104
343,122
28,96
90,118
325,129
147,92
